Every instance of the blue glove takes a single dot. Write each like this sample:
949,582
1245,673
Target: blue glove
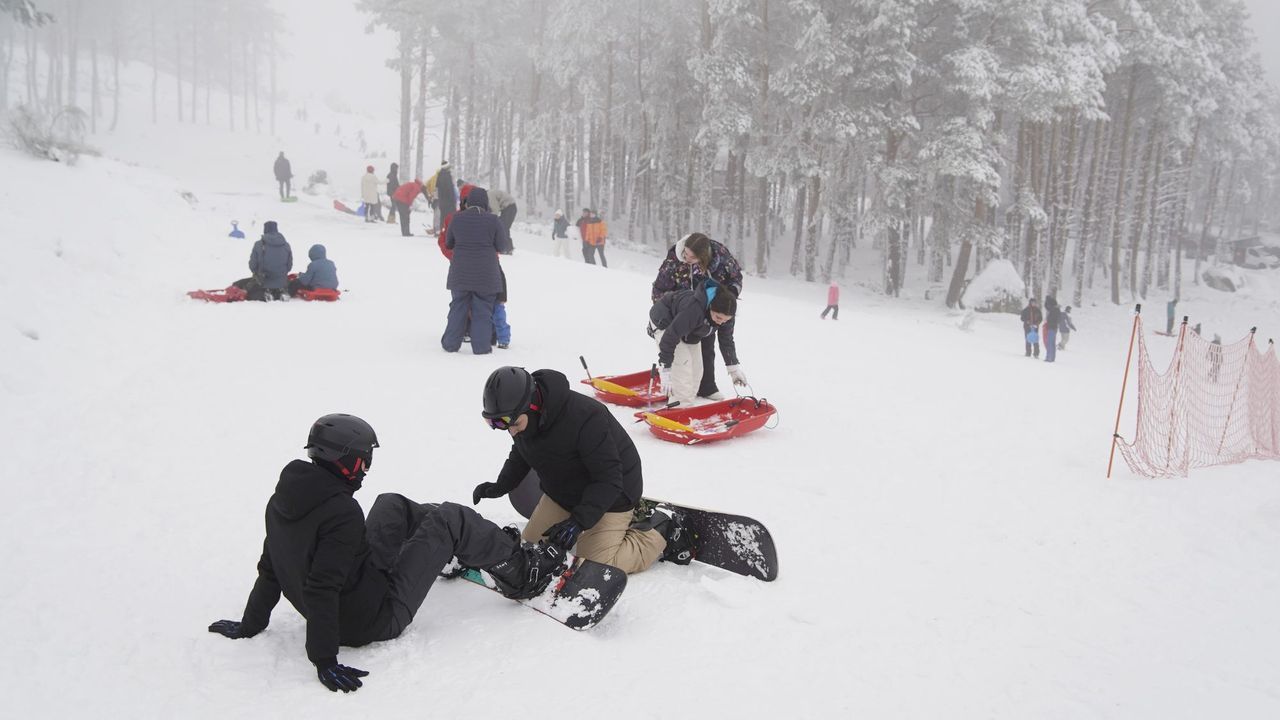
340,677
563,534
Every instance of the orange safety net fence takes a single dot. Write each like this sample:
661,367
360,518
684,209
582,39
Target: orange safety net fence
1216,404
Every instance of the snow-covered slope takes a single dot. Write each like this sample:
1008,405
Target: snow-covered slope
948,545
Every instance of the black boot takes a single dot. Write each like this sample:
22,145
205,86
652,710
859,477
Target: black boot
680,539
529,569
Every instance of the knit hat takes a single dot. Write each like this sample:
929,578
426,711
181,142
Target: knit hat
559,213
269,226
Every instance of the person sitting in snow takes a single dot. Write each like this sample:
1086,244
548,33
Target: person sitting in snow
358,581
270,261
691,260
680,321
588,469
320,273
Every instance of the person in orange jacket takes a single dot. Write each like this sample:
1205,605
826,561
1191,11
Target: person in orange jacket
403,200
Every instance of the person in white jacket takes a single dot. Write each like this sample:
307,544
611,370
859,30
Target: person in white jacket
369,194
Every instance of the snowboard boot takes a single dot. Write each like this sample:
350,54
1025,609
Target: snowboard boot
680,549
529,569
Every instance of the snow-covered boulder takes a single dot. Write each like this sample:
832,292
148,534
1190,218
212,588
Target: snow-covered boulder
1223,277
998,288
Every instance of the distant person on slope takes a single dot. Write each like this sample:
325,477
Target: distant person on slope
476,237
690,261
446,191
270,261
1052,320
1031,318
403,200
560,235
1065,328
393,183
284,175
833,301
1171,310
320,273
369,194
588,469
594,231
358,581
680,321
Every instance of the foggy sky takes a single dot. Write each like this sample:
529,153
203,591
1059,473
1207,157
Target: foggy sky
1266,23
330,51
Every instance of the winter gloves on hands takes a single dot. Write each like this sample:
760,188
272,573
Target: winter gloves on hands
486,490
230,629
563,534
339,677
664,376
735,372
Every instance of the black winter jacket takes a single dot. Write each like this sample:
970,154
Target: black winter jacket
585,459
447,192
1031,316
316,554
682,316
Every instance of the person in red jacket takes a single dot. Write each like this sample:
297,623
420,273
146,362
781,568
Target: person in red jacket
833,301
403,200
463,192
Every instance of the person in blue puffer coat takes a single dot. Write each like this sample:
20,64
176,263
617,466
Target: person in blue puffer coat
270,262
320,273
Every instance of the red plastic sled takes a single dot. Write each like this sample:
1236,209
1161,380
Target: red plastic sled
324,294
341,207
634,390
230,294
708,423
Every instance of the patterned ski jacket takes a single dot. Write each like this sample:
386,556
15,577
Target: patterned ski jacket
676,274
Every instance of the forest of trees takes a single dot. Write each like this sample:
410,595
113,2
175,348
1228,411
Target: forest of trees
1096,144
219,56
1092,143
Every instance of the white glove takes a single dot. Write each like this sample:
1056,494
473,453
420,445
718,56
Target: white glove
664,377
735,372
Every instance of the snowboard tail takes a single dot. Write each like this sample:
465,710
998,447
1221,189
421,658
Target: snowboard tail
579,597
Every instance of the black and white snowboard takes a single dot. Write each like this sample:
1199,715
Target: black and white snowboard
734,542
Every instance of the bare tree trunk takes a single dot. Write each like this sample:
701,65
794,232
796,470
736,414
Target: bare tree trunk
231,54
195,57
406,99
73,53
1088,223
1140,205
1153,219
1183,207
7,53
1210,201
94,106
797,252
422,104
155,66
177,69
1118,210
813,231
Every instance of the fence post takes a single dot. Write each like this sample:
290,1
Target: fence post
1115,434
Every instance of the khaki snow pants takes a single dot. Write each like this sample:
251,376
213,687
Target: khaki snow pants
611,541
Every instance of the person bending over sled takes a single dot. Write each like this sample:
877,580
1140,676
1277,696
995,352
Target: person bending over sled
358,581
321,273
680,321
588,467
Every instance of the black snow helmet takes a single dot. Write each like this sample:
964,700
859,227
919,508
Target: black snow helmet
507,393
338,436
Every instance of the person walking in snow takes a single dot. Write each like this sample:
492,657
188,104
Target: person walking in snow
270,261
680,321
403,200
693,259
588,469
476,237
560,235
1065,328
833,301
393,184
1031,319
369,194
593,231
358,581
1171,310
320,273
1052,320
284,175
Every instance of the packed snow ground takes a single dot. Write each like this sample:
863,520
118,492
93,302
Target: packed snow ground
948,544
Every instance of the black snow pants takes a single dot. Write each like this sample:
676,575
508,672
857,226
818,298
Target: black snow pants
707,387
414,542
403,211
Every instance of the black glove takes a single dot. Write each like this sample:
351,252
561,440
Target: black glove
229,628
563,534
486,490
340,677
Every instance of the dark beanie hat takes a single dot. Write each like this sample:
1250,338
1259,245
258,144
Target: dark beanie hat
269,226
724,302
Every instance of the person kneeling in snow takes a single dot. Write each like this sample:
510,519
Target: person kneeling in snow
680,321
321,273
270,261
358,581
588,469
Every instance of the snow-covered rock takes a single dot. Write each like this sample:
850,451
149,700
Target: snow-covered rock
998,288
1223,277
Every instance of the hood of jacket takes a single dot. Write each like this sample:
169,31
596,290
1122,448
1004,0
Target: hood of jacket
316,252
304,486
274,239
554,388
478,197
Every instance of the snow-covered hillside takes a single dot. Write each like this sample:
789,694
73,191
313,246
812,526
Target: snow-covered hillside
948,544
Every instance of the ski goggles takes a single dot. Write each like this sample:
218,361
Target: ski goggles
501,423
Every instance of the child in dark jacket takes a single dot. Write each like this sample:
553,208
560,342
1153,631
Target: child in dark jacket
320,273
